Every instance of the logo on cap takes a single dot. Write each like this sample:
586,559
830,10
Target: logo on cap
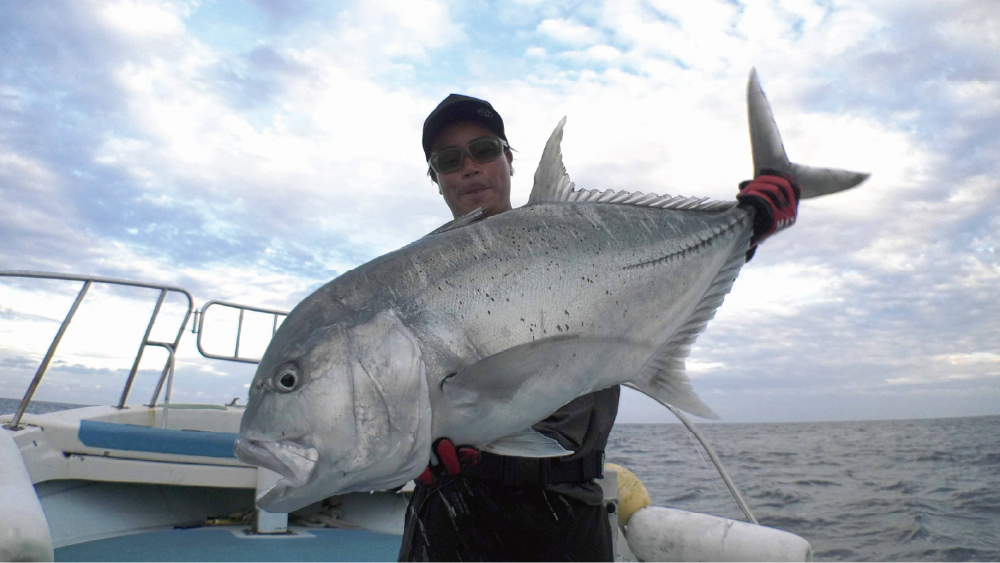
485,112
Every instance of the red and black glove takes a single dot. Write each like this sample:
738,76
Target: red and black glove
451,460
775,197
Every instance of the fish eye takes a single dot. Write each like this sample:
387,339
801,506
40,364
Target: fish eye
287,379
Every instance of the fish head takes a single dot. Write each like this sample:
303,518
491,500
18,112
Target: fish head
336,408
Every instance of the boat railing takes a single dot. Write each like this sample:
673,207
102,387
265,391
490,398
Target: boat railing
166,375
88,282
199,325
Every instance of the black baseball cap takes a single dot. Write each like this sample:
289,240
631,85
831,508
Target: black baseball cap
457,108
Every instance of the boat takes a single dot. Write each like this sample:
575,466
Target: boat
158,481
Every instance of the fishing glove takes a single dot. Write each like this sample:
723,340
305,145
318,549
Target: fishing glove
451,460
775,197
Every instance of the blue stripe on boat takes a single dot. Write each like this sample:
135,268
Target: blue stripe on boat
132,437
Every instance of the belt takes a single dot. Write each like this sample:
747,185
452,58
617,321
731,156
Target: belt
519,471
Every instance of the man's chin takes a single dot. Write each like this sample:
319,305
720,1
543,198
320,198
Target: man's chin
488,199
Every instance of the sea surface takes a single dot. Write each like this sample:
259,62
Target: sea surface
887,490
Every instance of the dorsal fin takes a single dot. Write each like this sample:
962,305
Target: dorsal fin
552,183
651,200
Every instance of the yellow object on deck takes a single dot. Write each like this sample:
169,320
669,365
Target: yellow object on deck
632,494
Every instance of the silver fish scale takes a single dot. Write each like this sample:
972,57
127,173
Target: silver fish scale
590,269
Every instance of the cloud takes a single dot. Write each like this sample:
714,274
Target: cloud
282,15
142,19
370,31
252,155
204,154
569,32
973,358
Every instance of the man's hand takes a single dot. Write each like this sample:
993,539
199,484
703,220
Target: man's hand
451,460
775,196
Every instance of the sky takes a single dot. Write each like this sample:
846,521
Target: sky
250,151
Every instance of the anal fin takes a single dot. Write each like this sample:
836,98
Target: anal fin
663,377
527,443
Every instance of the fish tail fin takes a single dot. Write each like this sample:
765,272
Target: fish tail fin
769,152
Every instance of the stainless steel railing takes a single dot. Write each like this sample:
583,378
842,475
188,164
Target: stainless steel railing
88,281
199,322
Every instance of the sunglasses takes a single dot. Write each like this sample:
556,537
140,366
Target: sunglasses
484,149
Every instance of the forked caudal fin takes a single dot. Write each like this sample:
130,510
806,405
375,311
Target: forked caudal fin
552,183
769,151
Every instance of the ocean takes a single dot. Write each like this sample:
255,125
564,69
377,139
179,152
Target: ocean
887,490
883,490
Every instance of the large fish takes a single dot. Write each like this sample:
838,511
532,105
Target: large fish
485,327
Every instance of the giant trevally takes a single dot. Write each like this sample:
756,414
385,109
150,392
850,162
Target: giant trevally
485,327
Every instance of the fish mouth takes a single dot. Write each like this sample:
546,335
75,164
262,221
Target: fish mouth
294,461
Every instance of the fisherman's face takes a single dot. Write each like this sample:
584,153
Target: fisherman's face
475,184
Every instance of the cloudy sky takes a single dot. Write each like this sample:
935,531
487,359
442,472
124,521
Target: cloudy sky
249,151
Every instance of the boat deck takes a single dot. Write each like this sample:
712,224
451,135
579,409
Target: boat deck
231,543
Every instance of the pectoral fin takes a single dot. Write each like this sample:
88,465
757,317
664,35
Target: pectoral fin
527,444
566,361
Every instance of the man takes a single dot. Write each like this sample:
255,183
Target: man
479,506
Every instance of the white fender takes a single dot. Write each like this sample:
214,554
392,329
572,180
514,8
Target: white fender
664,534
24,531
